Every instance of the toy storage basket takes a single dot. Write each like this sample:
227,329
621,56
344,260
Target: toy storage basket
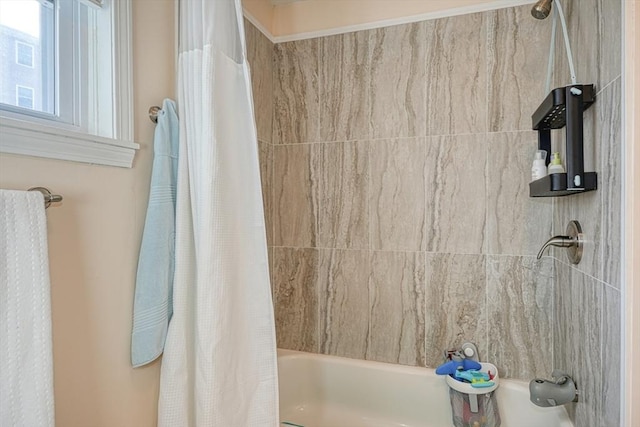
474,407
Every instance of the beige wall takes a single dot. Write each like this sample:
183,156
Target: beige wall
94,238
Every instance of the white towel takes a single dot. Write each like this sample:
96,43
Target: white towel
26,361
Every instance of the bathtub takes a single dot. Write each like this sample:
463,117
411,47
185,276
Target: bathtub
328,391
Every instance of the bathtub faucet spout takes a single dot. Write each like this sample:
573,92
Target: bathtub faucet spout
573,241
547,393
557,241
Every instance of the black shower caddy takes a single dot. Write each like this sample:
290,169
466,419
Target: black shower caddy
564,106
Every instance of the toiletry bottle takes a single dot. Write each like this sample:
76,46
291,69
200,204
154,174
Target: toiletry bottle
539,168
556,164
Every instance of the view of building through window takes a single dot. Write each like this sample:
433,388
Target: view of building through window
27,54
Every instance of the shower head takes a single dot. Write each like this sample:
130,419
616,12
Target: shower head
541,9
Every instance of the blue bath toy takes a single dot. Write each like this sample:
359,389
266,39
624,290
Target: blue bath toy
452,366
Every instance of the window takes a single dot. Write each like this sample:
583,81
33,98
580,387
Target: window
24,97
65,71
24,54
27,48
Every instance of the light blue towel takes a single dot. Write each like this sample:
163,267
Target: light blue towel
152,308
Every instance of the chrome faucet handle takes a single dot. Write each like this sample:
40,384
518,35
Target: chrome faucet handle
573,241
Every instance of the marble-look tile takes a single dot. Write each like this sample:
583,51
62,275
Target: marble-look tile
520,315
596,42
518,47
396,289
296,92
344,302
516,223
587,207
271,254
563,327
611,358
296,298
599,212
340,175
294,209
609,133
266,178
456,194
398,81
455,294
457,74
397,194
260,58
345,75
578,340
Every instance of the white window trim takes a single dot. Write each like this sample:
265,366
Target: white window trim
18,56
34,139
18,87
41,140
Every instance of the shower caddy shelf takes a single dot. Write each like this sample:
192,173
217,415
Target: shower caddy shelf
564,106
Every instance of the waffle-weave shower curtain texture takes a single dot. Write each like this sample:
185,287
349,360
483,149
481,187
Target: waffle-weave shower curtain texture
220,364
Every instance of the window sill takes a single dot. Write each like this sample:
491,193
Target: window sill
34,139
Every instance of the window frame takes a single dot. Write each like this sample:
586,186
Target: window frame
36,135
18,43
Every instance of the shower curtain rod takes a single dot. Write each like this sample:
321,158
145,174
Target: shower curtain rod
48,197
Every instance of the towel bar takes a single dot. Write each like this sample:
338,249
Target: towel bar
48,197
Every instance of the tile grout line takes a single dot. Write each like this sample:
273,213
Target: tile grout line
403,138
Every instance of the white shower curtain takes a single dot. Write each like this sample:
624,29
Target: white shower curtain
219,366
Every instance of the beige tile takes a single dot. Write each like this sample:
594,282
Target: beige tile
260,57
397,194
596,42
599,211
457,74
296,298
455,292
296,92
344,302
611,356
345,75
516,223
266,177
294,209
456,194
578,340
609,135
340,175
396,288
398,81
518,50
520,315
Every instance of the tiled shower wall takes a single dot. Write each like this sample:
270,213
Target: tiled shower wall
395,167
587,296
401,220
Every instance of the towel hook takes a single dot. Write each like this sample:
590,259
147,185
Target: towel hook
48,197
153,113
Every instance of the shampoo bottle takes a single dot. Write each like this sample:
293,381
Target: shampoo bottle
556,164
539,167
